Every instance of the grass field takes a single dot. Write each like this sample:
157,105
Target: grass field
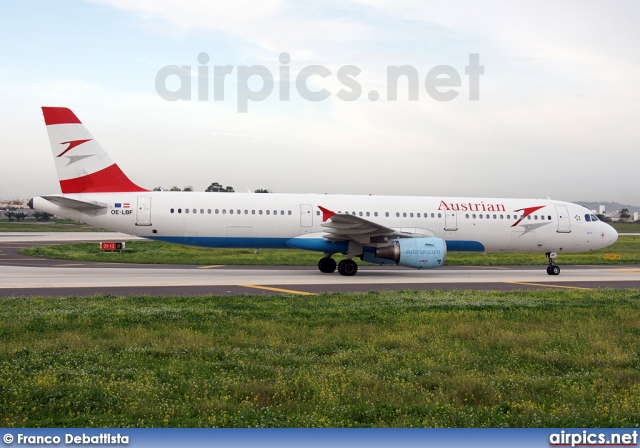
401,359
628,247
50,226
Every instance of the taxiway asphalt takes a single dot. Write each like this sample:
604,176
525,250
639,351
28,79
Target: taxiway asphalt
22,276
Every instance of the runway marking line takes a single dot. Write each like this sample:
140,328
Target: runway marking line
70,264
210,267
542,285
486,267
287,291
626,270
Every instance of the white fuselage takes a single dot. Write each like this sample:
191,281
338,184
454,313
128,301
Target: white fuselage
272,220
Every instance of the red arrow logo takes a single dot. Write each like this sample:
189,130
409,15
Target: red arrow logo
72,144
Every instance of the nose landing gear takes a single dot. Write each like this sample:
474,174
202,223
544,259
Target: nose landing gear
553,268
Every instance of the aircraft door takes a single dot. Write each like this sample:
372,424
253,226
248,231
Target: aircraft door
564,223
451,220
143,211
306,215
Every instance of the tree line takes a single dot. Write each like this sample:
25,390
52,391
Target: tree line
215,187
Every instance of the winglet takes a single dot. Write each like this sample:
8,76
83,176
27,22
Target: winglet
326,213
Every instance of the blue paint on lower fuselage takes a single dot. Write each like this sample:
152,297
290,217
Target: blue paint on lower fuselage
464,246
314,244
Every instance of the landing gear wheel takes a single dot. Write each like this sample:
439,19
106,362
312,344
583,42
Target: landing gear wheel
347,268
327,265
553,268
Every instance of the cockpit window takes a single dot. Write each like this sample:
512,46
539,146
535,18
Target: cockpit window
587,217
594,218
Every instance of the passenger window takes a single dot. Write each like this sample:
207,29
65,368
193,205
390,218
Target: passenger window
367,214
246,212
501,216
474,216
179,210
202,211
433,215
171,210
535,217
417,215
360,213
217,211
386,214
467,216
404,215
259,212
186,210
542,218
375,214
253,212
224,211
231,211
495,217
289,212
268,212
282,212
549,217
439,215
209,211
195,211
411,215
480,216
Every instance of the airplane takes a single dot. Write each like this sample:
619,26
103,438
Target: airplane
411,231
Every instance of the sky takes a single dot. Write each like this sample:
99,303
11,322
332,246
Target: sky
554,110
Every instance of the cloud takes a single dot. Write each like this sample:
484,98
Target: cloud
273,25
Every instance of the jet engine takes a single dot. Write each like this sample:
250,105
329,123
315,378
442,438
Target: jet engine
419,253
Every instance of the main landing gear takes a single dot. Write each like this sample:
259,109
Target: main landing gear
553,268
328,265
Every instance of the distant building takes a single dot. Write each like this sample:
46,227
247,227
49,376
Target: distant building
601,209
635,216
13,203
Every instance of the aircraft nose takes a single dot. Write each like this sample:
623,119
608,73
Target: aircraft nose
611,234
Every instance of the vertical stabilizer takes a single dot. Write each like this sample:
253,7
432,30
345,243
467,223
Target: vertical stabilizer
82,165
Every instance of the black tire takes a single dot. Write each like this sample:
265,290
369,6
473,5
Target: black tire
327,265
348,268
555,270
549,270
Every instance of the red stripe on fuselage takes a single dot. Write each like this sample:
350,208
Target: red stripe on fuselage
110,179
59,115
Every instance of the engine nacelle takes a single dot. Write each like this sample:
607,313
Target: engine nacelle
419,253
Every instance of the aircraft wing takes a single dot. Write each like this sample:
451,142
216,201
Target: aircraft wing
344,227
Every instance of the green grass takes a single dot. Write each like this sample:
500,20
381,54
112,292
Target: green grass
628,247
61,225
393,359
625,227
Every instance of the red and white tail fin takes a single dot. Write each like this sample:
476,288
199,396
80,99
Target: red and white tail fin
83,166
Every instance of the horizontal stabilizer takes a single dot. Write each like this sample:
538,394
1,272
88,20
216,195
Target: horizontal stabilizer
75,203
